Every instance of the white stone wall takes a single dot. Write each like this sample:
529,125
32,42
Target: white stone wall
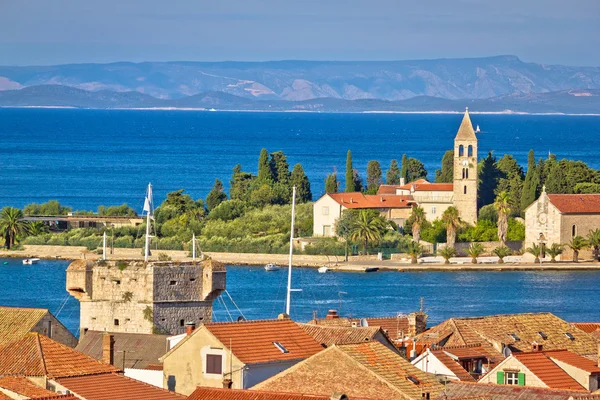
325,212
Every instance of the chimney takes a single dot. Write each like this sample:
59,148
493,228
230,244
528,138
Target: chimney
536,346
108,348
227,383
189,328
332,314
402,182
417,323
283,316
338,396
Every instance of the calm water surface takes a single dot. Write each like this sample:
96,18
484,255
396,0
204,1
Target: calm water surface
259,294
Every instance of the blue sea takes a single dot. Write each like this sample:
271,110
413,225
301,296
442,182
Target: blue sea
259,295
87,158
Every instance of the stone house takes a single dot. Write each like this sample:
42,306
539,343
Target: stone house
138,297
463,363
238,355
559,369
16,322
560,217
434,198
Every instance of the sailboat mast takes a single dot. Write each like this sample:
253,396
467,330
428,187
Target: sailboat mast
148,209
104,246
289,285
194,247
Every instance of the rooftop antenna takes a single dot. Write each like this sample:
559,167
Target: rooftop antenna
149,209
289,285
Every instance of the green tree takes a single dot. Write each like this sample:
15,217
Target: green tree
511,181
502,252
265,174
474,251
577,244
331,183
447,253
344,226
587,188
502,206
556,182
123,210
228,210
532,181
367,228
37,228
350,181
415,170
261,195
593,239
488,213
300,180
12,225
404,170
239,185
414,251
216,196
50,208
446,174
179,201
280,169
392,176
488,180
452,222
358,185
418,218
373,176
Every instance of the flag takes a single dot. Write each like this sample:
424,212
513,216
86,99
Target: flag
148,206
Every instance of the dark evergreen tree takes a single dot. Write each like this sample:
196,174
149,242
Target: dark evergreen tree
488,180
300,180
331,183
216,196
265,176
511,182
556,182
373,176
404,170
350,182
392,176
280,169
531,183
446,174
358,183
239,185
415,170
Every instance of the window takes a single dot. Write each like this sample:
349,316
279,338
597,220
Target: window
281,347
433,209
181,322
543,335
569,336
326,230
214,364
467,173
574,230
514,336
465,189
512,378
324,210
192,279
470,151
173,283
461,150
116,322
413,379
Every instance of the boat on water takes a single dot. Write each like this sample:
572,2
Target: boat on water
371,269
323,269
29,261
477,130
271,267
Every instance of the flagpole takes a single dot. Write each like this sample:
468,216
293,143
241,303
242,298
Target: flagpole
194,247
148,209
104,246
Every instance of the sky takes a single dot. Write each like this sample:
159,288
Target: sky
42,32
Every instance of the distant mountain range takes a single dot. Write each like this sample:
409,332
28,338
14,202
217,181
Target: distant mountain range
486,84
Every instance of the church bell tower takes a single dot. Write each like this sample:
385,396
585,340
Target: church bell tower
465,171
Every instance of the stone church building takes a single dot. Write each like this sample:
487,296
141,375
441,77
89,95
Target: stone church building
395,202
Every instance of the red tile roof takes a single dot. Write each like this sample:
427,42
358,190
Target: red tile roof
57,397
576,203
357,200
453,366
113,386
588,327
23,387
205,393
459,390
420,185
330,335
574,360
38,355
547,371
395,327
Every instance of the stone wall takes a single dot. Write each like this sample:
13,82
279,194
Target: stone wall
171,317
461,248
51,327
279,259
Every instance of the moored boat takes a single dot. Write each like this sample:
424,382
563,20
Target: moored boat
271,267
29,261
323,269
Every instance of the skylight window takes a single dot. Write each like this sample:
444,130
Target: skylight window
514,336
281,347
413,379
543,335
571,337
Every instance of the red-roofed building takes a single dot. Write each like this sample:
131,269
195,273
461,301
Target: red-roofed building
557,218
235,354
204,393
463,363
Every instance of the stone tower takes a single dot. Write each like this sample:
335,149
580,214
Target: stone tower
465,171
139,297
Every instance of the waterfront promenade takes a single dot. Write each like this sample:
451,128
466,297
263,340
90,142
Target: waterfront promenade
334,263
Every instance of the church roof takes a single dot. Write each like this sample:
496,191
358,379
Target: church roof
466,131
576,203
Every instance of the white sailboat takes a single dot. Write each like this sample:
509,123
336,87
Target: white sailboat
477,130
149,209
289,285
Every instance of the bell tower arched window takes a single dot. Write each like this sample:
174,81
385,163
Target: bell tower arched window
461,150
470,151
465,189
574,230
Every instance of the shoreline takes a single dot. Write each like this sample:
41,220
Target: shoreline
72,253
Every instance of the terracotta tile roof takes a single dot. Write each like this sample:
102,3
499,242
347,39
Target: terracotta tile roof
453,366
574,360
38,355
24,387
253,341
363,370
206,393
16,322
58,397
141,349
420,185
330,335
493,331
113,386
576,203
459,390
357,200
395,327
4,397
466,131
588,327
547,371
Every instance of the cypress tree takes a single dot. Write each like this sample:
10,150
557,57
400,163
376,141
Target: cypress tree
488,180
239,185
404,171
331,183
373,176
350,183
300,180
529,193
392,176
264,168
216,196
446,174
280,169
415,169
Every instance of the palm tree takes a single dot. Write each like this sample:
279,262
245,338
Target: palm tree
12,225
452,222
447,252
593,239
37,228
502,252
474,251
414,251
367,228
555,250
502,206
536,250
418,217
576,244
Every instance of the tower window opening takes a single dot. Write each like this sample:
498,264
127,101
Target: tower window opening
461,150
470,151
465,189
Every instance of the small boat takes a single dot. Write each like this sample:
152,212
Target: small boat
323,269
371,269
29,261
271,267
477,130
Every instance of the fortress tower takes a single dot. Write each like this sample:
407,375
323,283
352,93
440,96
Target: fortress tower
465,171
140,297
